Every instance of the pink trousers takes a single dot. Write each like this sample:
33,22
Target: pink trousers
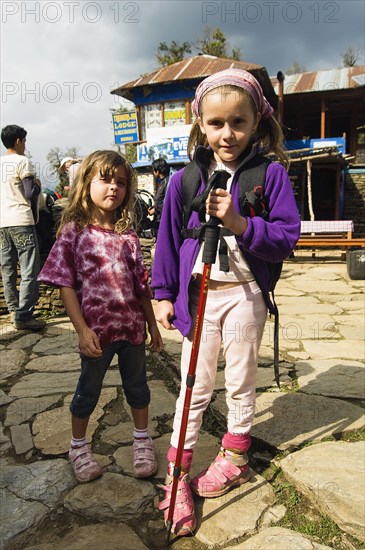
234,318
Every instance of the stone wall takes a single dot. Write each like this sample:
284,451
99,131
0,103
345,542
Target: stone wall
355,200
50,304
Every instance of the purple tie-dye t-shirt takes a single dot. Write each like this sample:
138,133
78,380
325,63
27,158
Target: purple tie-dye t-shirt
107,272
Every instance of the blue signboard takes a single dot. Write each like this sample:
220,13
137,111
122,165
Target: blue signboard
125,127
171,149
317,143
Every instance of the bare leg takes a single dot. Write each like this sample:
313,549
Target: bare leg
79,426
140,418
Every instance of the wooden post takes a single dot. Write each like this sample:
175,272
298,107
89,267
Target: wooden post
323,118
309,189
280,117
337,191
139,124
187,112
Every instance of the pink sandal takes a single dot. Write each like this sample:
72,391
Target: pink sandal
84,464
221,476
144,458
183,522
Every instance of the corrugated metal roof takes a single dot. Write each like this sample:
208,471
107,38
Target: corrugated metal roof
198,66
322,81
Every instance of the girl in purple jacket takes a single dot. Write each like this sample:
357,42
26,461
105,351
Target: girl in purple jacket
234,121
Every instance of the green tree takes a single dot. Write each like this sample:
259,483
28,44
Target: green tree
54,158
351,56
215,43
167,54
295,68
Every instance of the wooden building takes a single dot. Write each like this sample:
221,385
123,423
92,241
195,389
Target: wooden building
310,106
324,104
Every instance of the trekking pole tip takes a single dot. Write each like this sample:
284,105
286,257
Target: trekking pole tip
168,532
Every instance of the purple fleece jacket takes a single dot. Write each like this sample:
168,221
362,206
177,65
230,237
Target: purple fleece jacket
263,241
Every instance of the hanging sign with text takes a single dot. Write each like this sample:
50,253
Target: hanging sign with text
125,127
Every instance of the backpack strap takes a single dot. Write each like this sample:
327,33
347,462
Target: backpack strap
251,182
189,188
191,178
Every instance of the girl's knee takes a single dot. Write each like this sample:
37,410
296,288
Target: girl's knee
83,406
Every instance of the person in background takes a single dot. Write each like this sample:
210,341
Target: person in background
69,167
162,174
20,198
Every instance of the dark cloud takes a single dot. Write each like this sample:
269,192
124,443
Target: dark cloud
56,79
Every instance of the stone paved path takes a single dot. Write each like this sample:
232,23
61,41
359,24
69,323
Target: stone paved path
309,436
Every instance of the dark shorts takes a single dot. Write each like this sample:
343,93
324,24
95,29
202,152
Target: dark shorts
132,368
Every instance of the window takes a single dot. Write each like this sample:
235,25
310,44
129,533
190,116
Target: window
174,113
151,116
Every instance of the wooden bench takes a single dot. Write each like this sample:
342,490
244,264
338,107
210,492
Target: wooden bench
328,234
329,241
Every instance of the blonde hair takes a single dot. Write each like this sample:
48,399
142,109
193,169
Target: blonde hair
81,209
268,136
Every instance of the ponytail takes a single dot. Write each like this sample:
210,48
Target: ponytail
270,138
196,138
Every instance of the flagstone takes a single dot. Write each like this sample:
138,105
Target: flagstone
29,493
64,343
326,273
330,475
323,287
349,332
4,398
111,536
287,420
5,442
332,377
278,538
163,401
113,496
332,349
21,437
11,362
55,363
37,383
25,341
304,307
223,519
52,429
21,410
7,331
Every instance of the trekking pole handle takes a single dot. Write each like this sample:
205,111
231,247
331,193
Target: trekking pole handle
211,235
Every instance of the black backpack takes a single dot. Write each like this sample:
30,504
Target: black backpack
253,202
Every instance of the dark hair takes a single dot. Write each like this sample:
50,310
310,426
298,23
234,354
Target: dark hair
160,165
10,134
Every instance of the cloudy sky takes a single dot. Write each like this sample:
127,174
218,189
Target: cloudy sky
60,59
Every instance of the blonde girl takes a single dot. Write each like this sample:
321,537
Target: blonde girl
234,125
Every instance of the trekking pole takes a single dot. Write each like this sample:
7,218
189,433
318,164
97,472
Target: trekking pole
211,238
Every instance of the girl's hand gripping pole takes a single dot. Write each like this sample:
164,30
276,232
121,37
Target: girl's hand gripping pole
211,239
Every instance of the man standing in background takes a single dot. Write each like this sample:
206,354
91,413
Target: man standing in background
162,174
20,194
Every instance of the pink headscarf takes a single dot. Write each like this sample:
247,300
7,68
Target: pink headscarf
235,77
